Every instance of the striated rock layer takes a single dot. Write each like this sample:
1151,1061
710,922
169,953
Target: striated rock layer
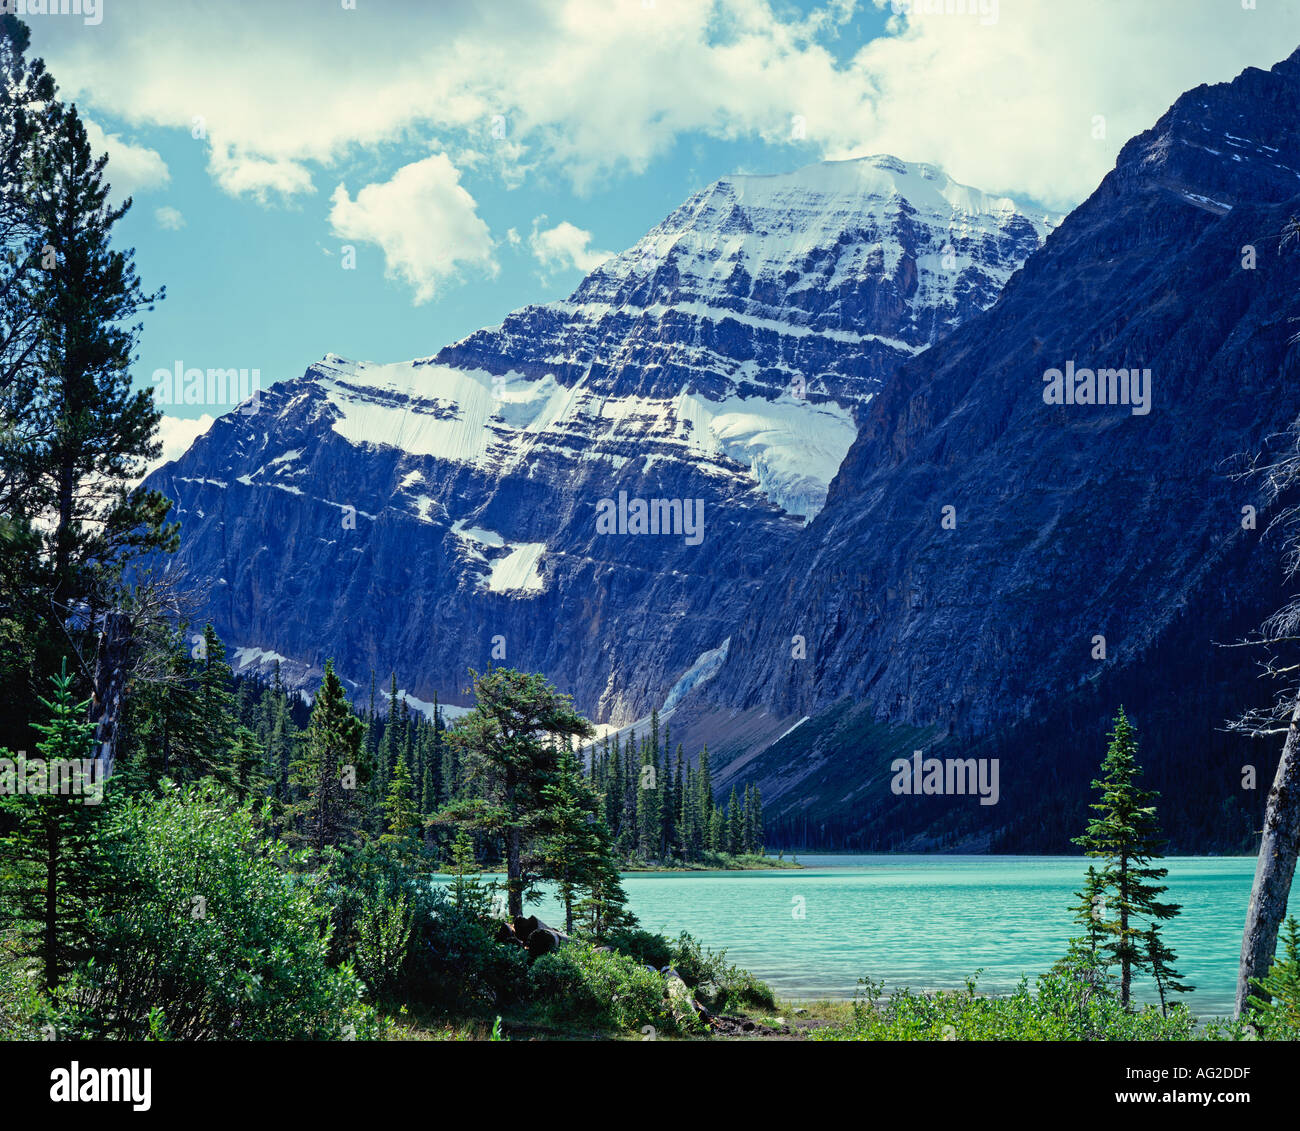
440,514
1073,522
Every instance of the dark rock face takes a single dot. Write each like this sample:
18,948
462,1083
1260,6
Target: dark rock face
441,514
1072,521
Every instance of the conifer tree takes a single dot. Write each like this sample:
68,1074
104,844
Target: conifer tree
735,826
401,817
25,88
704,793
603,910
1090,911
692,838
1161,959
48,862
717,831
1126,834
97,430
214,706
509,742
468,893
649,791
1275,1004
329,772
572,850
449,777
245,767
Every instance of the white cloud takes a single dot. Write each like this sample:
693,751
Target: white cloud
426,224
1010,106
177,434
169,218
586,88
131,168
565,246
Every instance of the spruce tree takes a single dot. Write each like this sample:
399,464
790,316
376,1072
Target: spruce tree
571,850
328,773
214,705
692,838
603,909
1161,959
48,873
1090,911
25,88
1126,835
735,826
245,771
401,817
1275,1004
449,776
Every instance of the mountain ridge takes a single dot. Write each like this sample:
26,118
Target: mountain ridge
709,361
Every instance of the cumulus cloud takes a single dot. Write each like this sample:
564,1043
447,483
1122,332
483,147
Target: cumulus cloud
177,434
564,246
131,168
583,89
1040,100
169,218
426,224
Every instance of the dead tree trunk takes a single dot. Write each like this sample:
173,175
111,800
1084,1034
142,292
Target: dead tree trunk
1275,867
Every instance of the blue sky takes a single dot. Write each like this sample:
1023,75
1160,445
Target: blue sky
372,126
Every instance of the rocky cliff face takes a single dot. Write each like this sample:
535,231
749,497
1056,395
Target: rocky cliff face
981,538
482,504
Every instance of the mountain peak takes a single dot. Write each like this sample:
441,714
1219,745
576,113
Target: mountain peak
723,361
877,176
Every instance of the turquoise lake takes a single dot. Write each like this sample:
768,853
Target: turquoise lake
929,921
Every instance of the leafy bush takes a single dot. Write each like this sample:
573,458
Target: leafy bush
1075,1001
21,1005
411,942
647,947
604,989
206,936
696,964
722,985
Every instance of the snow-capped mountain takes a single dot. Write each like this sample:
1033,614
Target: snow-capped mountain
481,505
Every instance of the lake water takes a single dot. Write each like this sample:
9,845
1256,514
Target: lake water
930,921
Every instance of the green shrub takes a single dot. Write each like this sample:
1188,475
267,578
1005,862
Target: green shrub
696,964
647,947
411,943
604,989
206,935
722,986
1075,1001
21,1005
